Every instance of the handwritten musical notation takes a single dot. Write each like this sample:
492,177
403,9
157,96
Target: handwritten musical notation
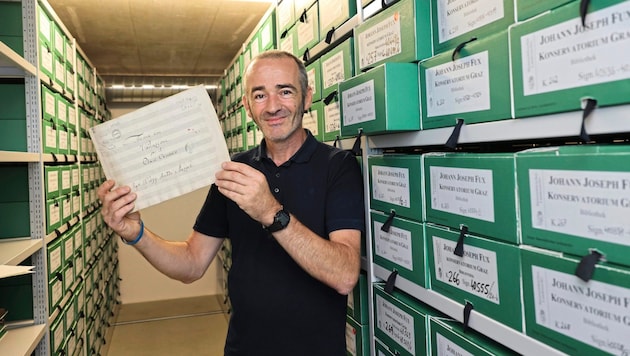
165,149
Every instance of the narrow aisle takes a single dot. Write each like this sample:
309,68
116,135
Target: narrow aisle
190,326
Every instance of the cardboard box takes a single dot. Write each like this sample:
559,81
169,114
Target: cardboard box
267,33
314,74
474,87
526,9
14,201
337,66
333,13
16,296
449,338
396,184
556,63
13,116
576,198
11,31
307,29
357,338
332,120
285,15
313,119
457,21
401,322
487,275
53,214
400,33
475,190
400,249
358,304
573,316
287,41
49,137
384,99
382,349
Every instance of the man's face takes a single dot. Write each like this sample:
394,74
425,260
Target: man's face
273,97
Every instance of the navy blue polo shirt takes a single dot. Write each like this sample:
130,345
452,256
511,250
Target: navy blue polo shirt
277,308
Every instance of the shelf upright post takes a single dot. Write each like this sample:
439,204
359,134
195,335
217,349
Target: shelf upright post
35,171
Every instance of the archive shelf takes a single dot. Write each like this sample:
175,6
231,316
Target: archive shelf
12,65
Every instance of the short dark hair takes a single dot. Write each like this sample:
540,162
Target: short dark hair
274,53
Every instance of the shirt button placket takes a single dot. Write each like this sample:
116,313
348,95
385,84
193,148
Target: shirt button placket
276,189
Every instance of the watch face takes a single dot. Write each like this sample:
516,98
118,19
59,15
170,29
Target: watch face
280,221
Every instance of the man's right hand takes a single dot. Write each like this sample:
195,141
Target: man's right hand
118,203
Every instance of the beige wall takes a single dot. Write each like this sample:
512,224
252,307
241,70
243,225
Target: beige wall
173,220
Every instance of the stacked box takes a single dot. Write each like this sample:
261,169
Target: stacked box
11,30
287,40
313,119
400,33
474,87
573,316
332,118
358,303
457,21
357,338
333,13
449,338
557,63
16,296
45,38
314,74
396,184
14,201
13,116
337,66
475,190
487,275
401,248
576,199
267,33
285,16
526,9
401,322
307,29
384,99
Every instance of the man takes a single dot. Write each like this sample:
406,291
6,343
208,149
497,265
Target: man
293,210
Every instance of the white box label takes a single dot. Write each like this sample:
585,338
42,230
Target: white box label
333,70
286,43
331,11
474,273
457,17
594,313
446,347
351,339
312,81
309,121
568,55
332,120
458,87
359,104
380,41
395,245
391,185
463,191
591,204
307,30
396,324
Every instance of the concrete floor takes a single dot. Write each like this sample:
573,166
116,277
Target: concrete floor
190,326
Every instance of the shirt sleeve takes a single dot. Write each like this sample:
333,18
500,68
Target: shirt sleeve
345,203
212,219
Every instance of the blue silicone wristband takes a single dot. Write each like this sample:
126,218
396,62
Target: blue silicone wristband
135,241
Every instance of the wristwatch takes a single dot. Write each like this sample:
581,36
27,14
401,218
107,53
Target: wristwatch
280,221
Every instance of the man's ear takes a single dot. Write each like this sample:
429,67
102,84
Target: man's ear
246,105
308,98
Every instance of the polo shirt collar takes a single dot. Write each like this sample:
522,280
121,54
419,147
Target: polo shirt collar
303,155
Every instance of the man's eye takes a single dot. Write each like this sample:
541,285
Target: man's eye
259,97
287,93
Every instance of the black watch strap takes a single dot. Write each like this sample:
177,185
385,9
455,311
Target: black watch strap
280,221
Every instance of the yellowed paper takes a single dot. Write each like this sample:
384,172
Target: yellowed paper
165,149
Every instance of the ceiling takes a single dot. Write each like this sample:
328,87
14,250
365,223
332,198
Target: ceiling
159,42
